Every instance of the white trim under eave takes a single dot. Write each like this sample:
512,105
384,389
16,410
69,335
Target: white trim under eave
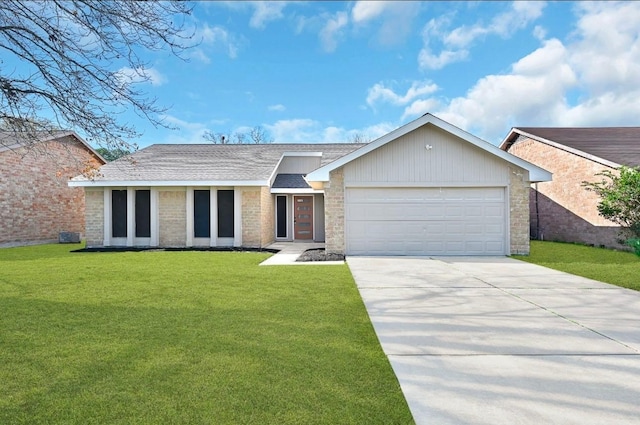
166,183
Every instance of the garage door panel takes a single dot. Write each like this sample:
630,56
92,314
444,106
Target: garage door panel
426,221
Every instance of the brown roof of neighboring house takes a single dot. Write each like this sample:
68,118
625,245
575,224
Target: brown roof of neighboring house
618,145
163,163
11,140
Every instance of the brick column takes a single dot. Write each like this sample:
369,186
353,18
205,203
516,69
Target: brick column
334,213
519,211
94,217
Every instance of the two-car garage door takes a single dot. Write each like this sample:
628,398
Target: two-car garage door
426,221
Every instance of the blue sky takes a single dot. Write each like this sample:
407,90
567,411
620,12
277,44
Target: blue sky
324,71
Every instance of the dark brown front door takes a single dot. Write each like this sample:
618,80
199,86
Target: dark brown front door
303,217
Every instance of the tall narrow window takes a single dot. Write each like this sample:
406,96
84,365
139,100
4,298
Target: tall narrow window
119,213
201,213
281,216
143,213
225,213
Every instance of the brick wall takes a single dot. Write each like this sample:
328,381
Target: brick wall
251,217
267,222
334,212
94,217
172,218
36,204
518,211
564,210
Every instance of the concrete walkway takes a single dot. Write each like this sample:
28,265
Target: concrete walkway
290,251
500,341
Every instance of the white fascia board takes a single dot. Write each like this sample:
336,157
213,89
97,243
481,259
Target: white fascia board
295,191
166,183
535,173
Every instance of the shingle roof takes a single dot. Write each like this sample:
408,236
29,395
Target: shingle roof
10,140
290,181
620,145
209,162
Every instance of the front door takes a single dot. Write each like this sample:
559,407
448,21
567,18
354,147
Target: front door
303,217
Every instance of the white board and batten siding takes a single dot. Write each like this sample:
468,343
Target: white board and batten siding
427,193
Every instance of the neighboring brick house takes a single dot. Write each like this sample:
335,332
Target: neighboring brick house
562,209
426,188
36,203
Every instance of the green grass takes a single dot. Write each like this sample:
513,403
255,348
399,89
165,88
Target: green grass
186,337
615,267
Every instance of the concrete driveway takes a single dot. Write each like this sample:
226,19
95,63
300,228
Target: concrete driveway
500,341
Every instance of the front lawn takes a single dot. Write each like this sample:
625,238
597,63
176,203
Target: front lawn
615,267
186,337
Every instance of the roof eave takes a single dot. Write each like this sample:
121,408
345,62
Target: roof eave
536,173
510,139
165,183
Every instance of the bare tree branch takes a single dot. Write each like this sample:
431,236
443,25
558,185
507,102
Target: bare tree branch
78,65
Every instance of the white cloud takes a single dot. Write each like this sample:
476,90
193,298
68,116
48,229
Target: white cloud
364,11
128,76
266,11
311,131
294,131
220,38
419,108
186,132
380,93
333,30
277,108
396,18
504,24
427,60
592,80
534,91
456,43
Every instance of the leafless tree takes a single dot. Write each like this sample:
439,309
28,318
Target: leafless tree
76,64
217,138
256,135
359,138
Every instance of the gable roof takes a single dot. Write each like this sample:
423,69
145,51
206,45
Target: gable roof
612,146
205,164
536,174
10,140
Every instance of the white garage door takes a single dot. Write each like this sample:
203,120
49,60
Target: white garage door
426,221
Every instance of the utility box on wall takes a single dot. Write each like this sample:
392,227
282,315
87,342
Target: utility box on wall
69,237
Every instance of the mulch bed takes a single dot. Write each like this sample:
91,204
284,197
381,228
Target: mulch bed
319,255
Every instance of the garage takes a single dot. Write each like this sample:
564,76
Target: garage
426,221
427,188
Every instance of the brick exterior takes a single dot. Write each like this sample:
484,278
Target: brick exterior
36,204
94,214
267,219
172,218
334,213
251,217
518,211
562,210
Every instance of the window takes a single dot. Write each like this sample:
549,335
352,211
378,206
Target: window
143,213
119,213
281,216
225,214
202,213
